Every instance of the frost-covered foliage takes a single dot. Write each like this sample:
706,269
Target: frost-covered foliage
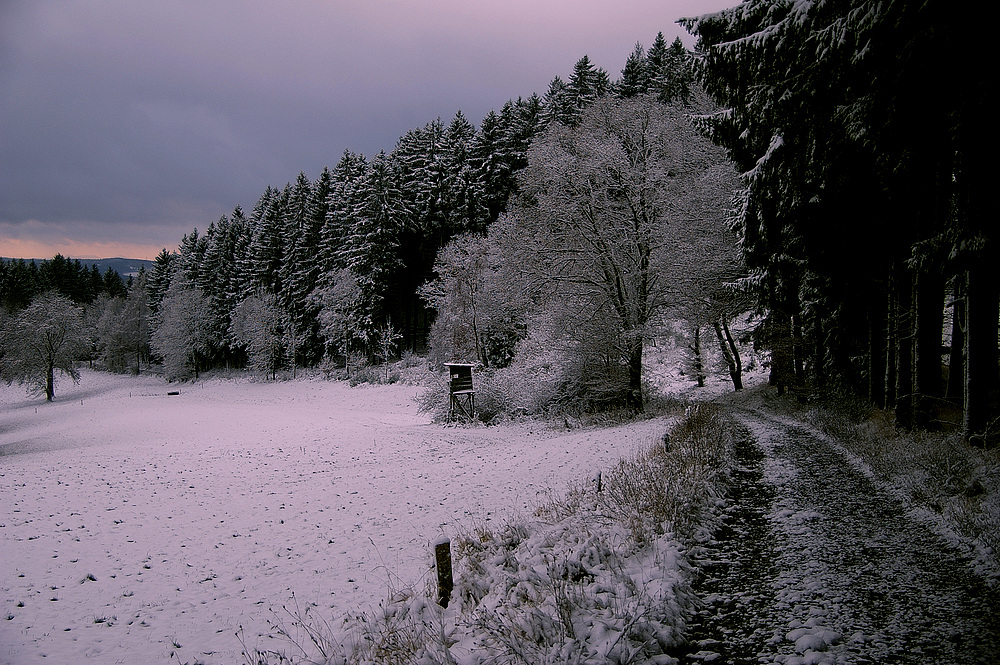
258,325
601,575
121,329
46,336
183,333
620,218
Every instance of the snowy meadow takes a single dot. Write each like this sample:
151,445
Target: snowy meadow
140,526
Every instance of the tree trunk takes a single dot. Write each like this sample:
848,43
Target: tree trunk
798,350
956,362
634,398
928,319
699,365
904,348
981,313
50,382
877,333
891,311
736,352
729,352
782,362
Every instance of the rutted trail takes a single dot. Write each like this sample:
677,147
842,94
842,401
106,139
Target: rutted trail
815,564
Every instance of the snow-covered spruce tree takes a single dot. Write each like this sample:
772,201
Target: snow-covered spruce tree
267,245
854,125
613,211
160,275
183,331
299,270
342,203
371,249
46,336
634,79
492,158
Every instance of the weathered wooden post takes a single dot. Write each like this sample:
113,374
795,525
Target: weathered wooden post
442,559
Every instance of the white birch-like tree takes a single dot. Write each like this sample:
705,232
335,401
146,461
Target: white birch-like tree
259,325
183,330
48,335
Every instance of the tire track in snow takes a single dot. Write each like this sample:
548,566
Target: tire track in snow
816,564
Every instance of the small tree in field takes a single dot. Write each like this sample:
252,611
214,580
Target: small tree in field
386,342
184,330
258,325
46,336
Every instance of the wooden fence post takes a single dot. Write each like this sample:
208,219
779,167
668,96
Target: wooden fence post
442,558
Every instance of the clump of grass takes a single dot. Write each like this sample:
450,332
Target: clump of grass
675,485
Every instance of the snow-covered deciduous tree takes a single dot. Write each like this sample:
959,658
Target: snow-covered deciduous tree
611,226
183,332
258,325
46,336
121,328
460,294
338,298
386,342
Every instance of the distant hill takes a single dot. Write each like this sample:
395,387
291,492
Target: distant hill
124,267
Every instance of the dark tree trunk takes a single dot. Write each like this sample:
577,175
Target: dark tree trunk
782,362
699,365
956,361
729,352
877,333
928,317
891,312
635,402
904,347
981,313
798,350
50,383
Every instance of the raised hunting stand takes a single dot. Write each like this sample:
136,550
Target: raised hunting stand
463,395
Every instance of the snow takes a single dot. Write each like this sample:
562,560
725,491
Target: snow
139,526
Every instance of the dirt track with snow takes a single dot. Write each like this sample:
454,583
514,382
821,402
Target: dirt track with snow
817,565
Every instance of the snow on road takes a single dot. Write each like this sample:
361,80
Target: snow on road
137,526
817,565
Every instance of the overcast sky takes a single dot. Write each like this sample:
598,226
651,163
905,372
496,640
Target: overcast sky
124,124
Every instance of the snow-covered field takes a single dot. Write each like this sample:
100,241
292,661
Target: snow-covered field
142,527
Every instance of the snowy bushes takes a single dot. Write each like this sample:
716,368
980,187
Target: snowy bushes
501,394
598,576
672,487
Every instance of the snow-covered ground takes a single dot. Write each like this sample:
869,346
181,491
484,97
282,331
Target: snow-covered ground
138,526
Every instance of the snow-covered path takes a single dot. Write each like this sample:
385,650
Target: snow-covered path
142,527
818,565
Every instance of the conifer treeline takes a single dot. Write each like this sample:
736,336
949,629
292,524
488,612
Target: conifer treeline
21,280
382,220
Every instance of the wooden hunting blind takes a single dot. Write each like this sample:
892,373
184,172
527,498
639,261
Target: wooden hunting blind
463,395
